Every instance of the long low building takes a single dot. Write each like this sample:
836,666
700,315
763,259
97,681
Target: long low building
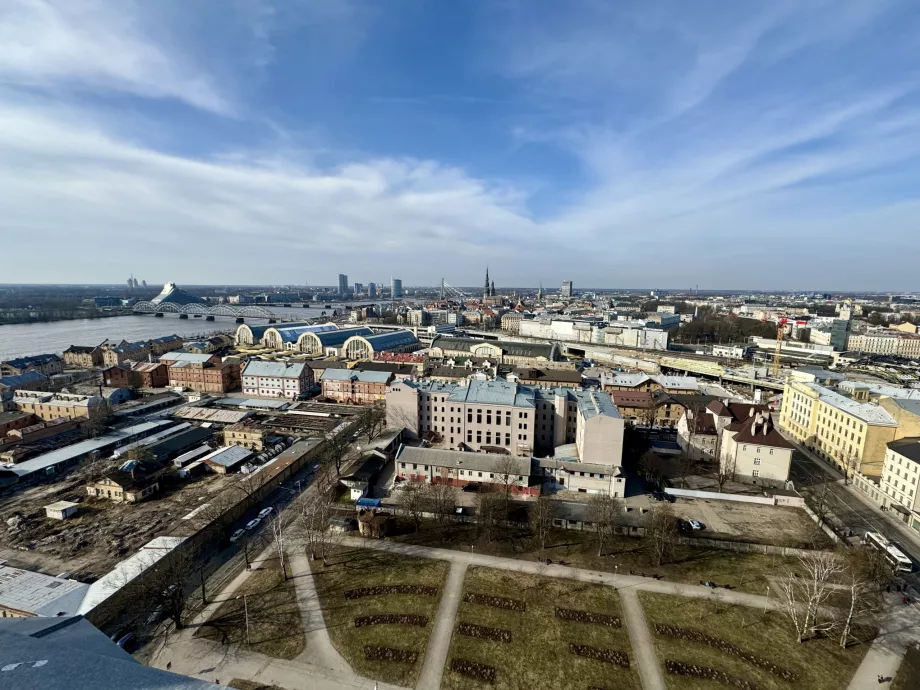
497,351
367,346
456,468
362,387
49,406
327,342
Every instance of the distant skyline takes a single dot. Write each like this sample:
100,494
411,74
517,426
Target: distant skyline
774,145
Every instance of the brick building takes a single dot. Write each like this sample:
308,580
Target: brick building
361,387
138,375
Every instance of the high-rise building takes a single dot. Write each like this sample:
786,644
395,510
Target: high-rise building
372,290
566,290
343,284
485,290
395,288
359,288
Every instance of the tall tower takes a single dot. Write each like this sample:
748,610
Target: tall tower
492,289
540,292
485,290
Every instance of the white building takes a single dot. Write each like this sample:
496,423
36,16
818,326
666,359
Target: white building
276,379
753,450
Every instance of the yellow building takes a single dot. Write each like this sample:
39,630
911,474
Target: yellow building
245,435
849,433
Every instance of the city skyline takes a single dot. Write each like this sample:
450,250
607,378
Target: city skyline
612,144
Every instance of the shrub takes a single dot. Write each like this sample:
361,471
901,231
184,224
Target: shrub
588,617
483,632
374,653
391,619
679,668
496,602
471,669
608,656
422,590
692,635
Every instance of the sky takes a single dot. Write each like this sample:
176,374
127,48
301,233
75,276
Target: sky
637,143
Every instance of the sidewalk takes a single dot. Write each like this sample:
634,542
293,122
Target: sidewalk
900,627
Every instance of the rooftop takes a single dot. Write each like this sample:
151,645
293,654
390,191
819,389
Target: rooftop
185,357
24,379
594,403
908,447
38,594
337,337
227,456
360,376
493,392
291,332
508,347
279,370
867,412
32,361
480,462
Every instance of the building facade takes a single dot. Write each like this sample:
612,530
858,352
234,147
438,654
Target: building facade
360,387
456,468
369,346
754,451
496,351
47,365
276,379
50,406
83,356
136,352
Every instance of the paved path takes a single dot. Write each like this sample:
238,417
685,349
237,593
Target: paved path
439,641
641,641
620,581
900,626
318,649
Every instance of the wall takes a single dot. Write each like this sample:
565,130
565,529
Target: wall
712,495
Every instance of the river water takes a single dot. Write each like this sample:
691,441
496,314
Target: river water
18,340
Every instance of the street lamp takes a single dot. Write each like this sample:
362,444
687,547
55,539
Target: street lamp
616,571
246,614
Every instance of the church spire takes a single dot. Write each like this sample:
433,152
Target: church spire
485,292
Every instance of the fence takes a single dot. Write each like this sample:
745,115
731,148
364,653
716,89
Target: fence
794,501
743,546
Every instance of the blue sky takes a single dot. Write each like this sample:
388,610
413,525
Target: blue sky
632,143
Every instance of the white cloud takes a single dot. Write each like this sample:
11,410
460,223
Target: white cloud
88,45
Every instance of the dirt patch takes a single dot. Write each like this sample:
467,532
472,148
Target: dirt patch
750,522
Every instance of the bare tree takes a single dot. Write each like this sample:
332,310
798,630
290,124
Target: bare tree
373,420
662,530
542,514
277,527
605,512
335,451
859,589
726,471
97,420
804,594
162,587
649,414
508,472
650,465
139,454
441,500
412,501
686,464
817,498
317,508
850,466
218,514
491,512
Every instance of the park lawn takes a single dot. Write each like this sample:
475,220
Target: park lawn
819,664
353,568
747,572
275,623
538,655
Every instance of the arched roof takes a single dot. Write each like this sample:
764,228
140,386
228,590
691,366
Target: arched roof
336,337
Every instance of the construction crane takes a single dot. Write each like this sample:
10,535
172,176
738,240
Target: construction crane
780,332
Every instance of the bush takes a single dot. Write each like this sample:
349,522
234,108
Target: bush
471,669
391,619
379,590
483,632
588,617
374,653
496,602
679,668
692,635
608,656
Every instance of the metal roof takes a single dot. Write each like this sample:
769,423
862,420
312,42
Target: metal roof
386,341
228,456
508,347
185,357
281,370
336,338
594,403
291,332
479,462
867,412
32,360
493,392
38,594
255,403
360,376
23,379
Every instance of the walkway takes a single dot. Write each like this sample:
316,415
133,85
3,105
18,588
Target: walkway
641,641
900,625
439,642
619,581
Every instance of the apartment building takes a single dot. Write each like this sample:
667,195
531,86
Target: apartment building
901,473
501,416
361,387
137,375
83,356
164,344
249,436
276,379
850,433
136,352
642,407
50,406
206,377
753,450
892,342
48,365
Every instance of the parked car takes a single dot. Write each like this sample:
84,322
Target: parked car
265,512
696,525
236,535
657,496
252,524
683,525
128,642
670,498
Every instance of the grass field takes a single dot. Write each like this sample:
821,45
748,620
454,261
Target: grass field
908,676
538,655
743,571
818,664
354,568
275,623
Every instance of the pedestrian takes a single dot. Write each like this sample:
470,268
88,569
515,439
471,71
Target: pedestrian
168,665
888,589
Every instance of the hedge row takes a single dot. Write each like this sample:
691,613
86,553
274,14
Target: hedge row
588,617
483,632
471,669
692,635
496,602
423,590
374,653
609,656
679,668
391,619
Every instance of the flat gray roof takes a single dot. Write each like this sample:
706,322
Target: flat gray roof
38,594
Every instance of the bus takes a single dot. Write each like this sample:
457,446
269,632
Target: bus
893,554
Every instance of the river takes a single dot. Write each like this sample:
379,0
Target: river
21,339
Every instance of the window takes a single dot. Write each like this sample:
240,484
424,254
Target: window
756,461
756,473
